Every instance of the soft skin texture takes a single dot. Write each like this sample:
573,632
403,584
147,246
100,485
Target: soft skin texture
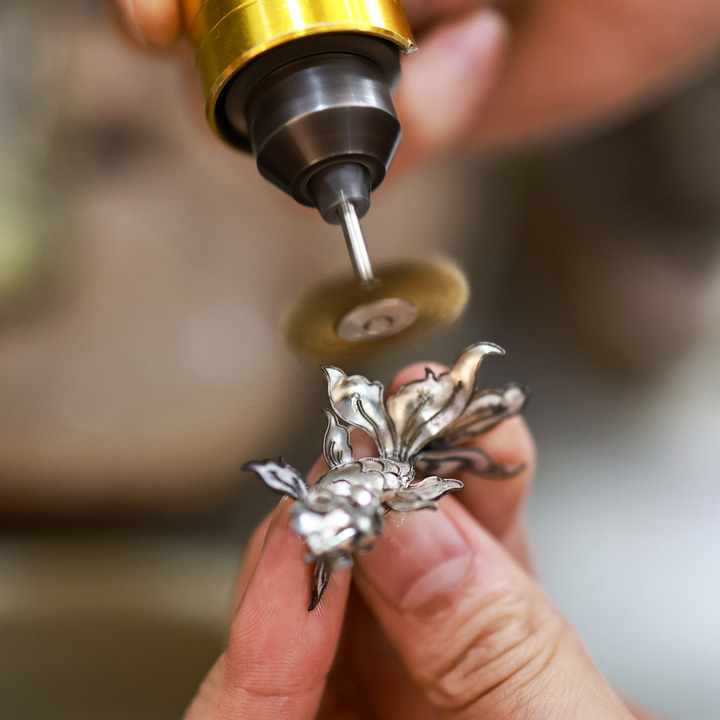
533,68
443,620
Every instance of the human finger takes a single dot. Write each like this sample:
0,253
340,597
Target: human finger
278,654
151,22
559,77
497,503
424,14
366,679
445,84
251,557
473,629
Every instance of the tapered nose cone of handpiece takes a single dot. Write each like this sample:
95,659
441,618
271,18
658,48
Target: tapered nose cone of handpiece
346,318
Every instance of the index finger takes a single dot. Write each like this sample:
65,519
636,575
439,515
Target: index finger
424,13
151,22
278,653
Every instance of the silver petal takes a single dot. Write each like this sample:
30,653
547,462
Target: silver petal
360,402
423,494
336,444
415,404
278,475
423,409
485,411
321,577
456,460
357,472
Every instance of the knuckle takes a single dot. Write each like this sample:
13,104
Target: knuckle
507,640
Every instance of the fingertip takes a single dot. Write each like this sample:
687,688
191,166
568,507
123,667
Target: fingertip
420,561
276,522
153,23
416,371
511,443
423,14
497,503
445,84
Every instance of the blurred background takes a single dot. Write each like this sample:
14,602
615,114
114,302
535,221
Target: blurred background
144,272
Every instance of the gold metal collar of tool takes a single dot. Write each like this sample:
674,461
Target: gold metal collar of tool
228,34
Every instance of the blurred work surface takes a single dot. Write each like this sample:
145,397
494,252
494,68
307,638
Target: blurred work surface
144,271
109,627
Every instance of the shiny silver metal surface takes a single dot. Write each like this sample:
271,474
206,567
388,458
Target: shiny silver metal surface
355,241
321,124
378,319
417,429
318,112
229,114
335,185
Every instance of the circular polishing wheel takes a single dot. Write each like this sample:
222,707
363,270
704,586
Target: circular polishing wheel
344,319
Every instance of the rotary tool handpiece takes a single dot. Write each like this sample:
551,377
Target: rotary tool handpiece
305,86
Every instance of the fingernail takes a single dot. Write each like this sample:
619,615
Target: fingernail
452,74
420,562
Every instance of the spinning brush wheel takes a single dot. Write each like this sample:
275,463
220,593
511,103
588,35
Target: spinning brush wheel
345,319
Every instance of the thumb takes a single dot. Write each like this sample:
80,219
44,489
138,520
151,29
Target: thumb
475,632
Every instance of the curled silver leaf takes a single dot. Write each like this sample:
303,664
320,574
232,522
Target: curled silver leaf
280,476
321,577
485,411
453,461
422,409
336,444
422,494
359,402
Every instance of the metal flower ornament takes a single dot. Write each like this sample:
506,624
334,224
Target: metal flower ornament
421,430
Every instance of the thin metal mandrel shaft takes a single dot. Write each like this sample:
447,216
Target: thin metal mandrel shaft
355,242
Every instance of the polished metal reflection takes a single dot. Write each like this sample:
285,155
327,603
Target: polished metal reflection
378,319
320,111
355,242
234,37
422,428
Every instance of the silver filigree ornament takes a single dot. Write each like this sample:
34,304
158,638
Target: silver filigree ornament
423,428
